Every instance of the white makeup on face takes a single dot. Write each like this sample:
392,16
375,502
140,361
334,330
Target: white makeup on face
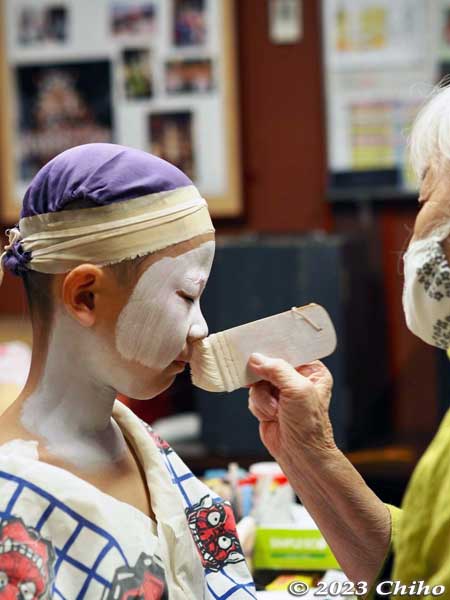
164,310
72,405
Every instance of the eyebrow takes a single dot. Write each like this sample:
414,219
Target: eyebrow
424,173
423,198
199,281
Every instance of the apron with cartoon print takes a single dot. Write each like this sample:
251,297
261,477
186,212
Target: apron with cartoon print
61,537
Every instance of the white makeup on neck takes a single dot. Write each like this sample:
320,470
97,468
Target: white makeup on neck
71,407
153,327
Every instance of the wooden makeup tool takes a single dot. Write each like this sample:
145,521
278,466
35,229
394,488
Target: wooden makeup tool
299,336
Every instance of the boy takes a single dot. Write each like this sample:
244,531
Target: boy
115,248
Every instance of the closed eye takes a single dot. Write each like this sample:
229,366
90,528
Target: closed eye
186,297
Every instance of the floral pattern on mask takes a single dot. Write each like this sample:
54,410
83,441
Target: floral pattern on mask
434,275
441,333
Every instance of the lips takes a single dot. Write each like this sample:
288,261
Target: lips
184,359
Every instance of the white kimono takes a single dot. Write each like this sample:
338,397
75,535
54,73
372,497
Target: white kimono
60,537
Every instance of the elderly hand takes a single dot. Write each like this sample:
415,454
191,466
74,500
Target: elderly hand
292,408
291,405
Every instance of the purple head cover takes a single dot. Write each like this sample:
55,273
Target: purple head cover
99,173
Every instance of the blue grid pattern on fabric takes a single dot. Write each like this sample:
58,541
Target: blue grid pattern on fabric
221,585
234,590
87,573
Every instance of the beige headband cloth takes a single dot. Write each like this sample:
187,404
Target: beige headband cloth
108,234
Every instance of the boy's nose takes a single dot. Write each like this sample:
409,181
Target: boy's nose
199,329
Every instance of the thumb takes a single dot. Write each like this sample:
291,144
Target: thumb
277,371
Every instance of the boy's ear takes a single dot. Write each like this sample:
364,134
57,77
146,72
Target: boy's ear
79,290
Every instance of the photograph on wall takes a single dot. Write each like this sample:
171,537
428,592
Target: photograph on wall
133,18
368,31
190,75
42,25
189,22
137,73
373,32
152,74
285,21
373,134
61,105
171,138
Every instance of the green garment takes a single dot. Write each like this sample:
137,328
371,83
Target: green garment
420,530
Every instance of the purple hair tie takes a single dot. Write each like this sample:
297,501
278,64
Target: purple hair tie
15,258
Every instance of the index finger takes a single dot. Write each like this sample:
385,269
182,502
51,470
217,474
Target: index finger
275,370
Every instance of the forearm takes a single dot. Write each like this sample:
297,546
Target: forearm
353,520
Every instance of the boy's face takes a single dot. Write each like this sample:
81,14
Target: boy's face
155,323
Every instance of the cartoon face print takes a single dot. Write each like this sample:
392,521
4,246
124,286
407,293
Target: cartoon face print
213,528
26,562
144,581
163,446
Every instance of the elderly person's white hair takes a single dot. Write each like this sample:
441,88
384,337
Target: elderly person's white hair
430,136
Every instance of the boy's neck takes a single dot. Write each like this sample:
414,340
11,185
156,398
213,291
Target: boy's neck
69,407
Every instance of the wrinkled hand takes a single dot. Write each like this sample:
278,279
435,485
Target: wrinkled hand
291,405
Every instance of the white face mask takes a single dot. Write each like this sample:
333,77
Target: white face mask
426,292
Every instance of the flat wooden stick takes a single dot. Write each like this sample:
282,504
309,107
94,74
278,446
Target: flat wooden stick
299,336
